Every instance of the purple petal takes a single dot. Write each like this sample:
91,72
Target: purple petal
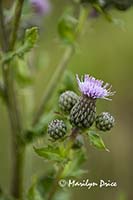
94,88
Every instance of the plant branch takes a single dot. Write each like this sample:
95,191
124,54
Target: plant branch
73,135
60,68
2,91
16,21
13,109
55,184
3,36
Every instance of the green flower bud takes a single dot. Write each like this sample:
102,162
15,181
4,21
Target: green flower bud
57,129
67,100
104,121
82,114
122,4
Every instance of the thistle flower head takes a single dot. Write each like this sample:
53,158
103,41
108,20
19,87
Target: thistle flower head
94,88
41,7
94,13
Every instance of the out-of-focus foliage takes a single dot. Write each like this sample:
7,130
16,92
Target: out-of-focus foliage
4,196
96,140
42,187
73,167
30,40
66,28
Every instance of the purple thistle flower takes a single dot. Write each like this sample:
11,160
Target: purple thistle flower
41,7
94,88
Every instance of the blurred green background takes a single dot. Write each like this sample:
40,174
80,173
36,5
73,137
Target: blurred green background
106,52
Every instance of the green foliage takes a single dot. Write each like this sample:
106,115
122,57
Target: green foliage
33,193
66,28
96,140
30,39
45,182
43,123
67,83
73,167
53,153
30,134
4,196
39,130
22,73
42,187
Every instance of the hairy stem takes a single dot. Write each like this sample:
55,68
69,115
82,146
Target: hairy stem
55,184
54,188
12,105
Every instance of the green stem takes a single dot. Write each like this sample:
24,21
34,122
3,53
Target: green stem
18,167
55,184
3,36
2,91
73,135
13,109
82,19
16,126
16,22
60,68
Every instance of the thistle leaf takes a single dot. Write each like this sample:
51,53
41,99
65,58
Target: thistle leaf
31,37
33,193
96,140
66,28
52,153
73,167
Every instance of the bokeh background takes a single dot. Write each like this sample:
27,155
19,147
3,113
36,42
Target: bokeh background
105,50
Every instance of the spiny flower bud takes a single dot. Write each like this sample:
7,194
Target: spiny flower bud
101,3
122,4
105,121
82,114
57,129
67,100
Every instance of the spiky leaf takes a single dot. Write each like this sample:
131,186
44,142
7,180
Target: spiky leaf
96,140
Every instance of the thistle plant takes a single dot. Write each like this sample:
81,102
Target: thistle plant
65,125
76,128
